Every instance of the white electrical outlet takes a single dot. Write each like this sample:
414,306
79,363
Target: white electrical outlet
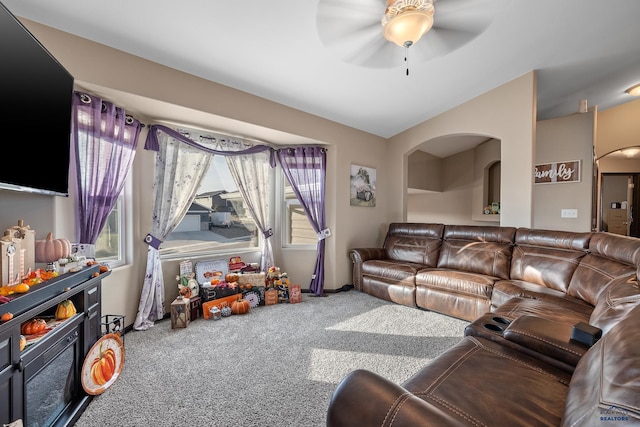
569,213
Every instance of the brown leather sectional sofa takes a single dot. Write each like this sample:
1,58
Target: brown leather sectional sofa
553,338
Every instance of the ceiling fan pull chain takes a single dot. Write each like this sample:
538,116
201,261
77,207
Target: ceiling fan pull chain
407,44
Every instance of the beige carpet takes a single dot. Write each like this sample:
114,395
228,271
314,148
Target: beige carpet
275,366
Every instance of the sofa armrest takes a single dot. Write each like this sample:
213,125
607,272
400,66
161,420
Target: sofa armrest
547,337
360,255
364,398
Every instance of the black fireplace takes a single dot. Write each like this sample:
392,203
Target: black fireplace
42,384
52,379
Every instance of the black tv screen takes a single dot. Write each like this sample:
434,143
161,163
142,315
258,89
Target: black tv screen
36,92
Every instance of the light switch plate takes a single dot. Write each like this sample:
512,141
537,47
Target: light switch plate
569,213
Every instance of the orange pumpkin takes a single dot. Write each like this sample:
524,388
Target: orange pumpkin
240,306
50,249
185,291
231,277
33,326
104,366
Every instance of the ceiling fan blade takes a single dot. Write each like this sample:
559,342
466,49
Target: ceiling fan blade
348,32
338,20
352,29
456,23
378,54
332,8
441,41
469,15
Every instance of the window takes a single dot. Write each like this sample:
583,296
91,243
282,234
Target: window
109,246
216,221
297,228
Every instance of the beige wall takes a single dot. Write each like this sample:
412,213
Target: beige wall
507,114
618,127
564,139
424,172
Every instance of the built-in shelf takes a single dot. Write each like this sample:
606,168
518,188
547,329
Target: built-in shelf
486,218
421,191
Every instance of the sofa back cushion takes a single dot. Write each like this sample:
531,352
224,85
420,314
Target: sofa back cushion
605,386
414,242
618,299
547,257
477,249
610,257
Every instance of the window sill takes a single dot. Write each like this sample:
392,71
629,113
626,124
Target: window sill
222,253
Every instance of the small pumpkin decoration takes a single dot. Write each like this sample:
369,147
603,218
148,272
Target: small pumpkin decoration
104,366
51,250
65,310
225,311
240,306
33,326
185,291
231,277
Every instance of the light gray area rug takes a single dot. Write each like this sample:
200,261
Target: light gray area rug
275,366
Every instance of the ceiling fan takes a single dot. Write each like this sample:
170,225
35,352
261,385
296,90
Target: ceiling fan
354,28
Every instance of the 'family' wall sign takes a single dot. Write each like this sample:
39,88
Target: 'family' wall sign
553,173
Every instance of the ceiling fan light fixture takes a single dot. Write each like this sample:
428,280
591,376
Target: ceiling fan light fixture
406,21
634,90
630,152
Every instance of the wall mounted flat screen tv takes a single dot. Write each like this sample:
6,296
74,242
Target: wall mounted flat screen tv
36,92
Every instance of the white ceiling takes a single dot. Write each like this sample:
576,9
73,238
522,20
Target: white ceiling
302,54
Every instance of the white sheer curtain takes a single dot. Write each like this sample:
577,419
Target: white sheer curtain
179,169
252,175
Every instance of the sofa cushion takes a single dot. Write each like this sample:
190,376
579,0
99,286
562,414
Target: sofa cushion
504,290
611,256
568,240
620,297
547,257
393,270
417,243
490,369
390,280
605,387
562,309
457,282
456,293
461,306
477,249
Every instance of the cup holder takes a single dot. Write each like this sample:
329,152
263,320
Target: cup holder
493,327
500,320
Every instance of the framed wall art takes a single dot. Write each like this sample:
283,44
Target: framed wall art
363,186
557,172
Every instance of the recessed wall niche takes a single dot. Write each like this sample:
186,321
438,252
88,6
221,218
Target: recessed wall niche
457,187
487,178
492,183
